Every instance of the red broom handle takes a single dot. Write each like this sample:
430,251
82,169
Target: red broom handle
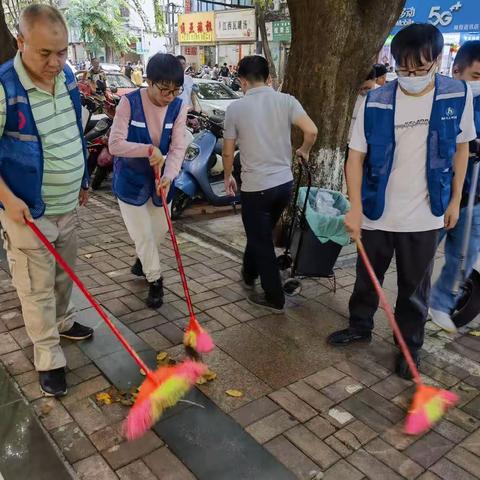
92,300
175,246
389,312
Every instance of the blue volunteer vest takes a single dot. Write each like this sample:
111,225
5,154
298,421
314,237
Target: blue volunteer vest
468,178
447,111
133,178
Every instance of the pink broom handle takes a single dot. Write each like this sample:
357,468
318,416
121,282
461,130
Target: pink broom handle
389,312
175,246
92,300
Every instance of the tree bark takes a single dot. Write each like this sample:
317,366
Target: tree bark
8,44
327,62
260,14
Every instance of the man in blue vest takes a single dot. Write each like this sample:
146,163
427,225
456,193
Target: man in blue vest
405,173
442,301
42,178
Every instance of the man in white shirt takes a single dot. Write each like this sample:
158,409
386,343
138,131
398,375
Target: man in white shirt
405,173
188,95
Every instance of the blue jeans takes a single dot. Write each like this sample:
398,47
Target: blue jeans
442,297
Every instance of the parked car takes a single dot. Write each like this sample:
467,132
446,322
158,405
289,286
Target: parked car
110,67
121,82
214,97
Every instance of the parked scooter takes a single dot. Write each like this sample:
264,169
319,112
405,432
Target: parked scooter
202,170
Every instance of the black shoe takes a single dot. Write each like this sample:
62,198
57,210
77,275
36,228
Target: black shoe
78,332
155,294
53,382
259,300
401,366
137,268
248,281
348,336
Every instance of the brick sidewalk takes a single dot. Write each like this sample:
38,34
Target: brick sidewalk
323,413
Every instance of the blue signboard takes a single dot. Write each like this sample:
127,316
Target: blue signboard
449,16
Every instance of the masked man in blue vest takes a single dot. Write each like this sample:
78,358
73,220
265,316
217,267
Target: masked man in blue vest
42,177
148,133
405,173
442,301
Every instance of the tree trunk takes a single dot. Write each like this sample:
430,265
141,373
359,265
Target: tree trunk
8,44
260,14
327,62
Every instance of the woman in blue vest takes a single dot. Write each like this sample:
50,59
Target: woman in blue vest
442,301
405,173
148,133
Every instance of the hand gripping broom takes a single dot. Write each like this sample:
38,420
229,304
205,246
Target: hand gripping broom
162,388
429,403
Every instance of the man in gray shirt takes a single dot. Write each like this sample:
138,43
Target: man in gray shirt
260,123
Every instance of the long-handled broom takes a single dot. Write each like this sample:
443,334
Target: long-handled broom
429,404
162,388
195,336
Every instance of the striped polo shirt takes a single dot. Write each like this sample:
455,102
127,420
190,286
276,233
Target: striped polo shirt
56,122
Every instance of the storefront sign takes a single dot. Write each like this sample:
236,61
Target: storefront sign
236,25
469,37
282,31
196,28
447,15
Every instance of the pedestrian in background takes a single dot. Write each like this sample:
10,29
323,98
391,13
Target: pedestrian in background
443,299
43,176
380,74
129,70
148,133
405,172
260,123
188,95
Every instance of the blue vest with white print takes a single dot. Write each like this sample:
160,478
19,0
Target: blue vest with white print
133,178
21,153
469,176
447,111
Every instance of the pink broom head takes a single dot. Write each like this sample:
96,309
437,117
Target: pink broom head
197,338
172,383
429,405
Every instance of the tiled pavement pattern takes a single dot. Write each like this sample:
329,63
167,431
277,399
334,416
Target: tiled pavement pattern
321,412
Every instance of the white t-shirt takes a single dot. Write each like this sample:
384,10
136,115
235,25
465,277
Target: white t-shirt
407,204
358,103
186,95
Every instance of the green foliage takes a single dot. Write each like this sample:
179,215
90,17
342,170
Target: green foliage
159,17
100,24
264,3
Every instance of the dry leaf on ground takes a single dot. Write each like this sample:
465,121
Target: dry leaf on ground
475,333
234,393
104,397
46,408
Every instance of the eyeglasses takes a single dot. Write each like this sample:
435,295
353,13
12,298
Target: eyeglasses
421,72
165,92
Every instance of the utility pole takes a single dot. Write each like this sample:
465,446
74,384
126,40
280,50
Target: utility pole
171,11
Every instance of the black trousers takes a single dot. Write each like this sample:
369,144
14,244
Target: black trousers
260,213
414,255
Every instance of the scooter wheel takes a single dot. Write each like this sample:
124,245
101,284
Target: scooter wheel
179,204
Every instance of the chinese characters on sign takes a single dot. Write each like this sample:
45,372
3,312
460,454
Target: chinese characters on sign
196,28
236,25
282,31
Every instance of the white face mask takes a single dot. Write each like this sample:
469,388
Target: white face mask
475,86
416,85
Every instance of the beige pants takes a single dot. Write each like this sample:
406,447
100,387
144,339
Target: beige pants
147,227
43,287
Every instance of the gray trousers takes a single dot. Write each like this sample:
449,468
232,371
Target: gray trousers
43,287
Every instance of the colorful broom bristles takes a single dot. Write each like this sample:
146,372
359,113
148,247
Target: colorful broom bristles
170,385
428,407
197,338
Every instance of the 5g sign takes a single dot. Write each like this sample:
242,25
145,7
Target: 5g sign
437,17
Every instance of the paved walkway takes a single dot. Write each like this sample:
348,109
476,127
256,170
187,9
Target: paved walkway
307,410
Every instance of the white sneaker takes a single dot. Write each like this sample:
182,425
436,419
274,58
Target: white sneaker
442,320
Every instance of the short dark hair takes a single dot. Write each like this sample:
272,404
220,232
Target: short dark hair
181,57
371,74
416,43
253,68
468,54
165,68
380,70
37,12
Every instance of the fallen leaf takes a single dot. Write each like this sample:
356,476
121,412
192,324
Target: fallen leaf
88,255
46,408
104,398
234,393
475,333
201,381
162,356
209,376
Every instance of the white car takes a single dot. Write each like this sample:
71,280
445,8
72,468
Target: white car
214,97
110,67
